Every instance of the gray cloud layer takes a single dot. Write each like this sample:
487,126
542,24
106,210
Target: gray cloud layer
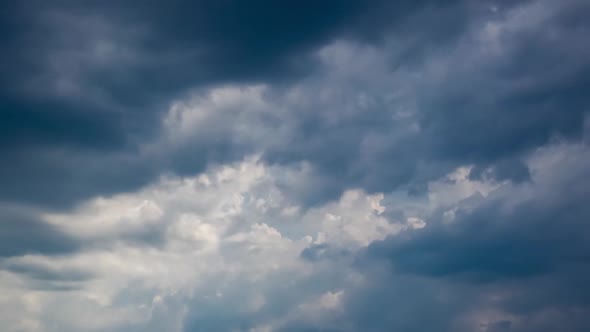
84,84
128,132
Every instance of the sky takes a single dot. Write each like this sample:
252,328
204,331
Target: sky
282,166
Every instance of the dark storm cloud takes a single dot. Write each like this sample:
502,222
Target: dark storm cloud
536,88
517,260
23,233
87,77
47,277
84,83
483,107
518,254
132,55
486,244
60,176
48,274
514,170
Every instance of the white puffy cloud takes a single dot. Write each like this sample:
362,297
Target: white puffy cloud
225,249
230,227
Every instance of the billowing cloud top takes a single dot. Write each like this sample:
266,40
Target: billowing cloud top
335,165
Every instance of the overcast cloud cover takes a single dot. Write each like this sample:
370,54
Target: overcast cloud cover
257,166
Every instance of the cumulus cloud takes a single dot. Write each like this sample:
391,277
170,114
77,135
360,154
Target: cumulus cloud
303,166
236,252
511,245
228,237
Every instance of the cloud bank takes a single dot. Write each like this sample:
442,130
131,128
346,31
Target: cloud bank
295,166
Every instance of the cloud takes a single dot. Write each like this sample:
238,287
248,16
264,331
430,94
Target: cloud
87,96
512,244
23,232
236,252
333,166
227,242
360,122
